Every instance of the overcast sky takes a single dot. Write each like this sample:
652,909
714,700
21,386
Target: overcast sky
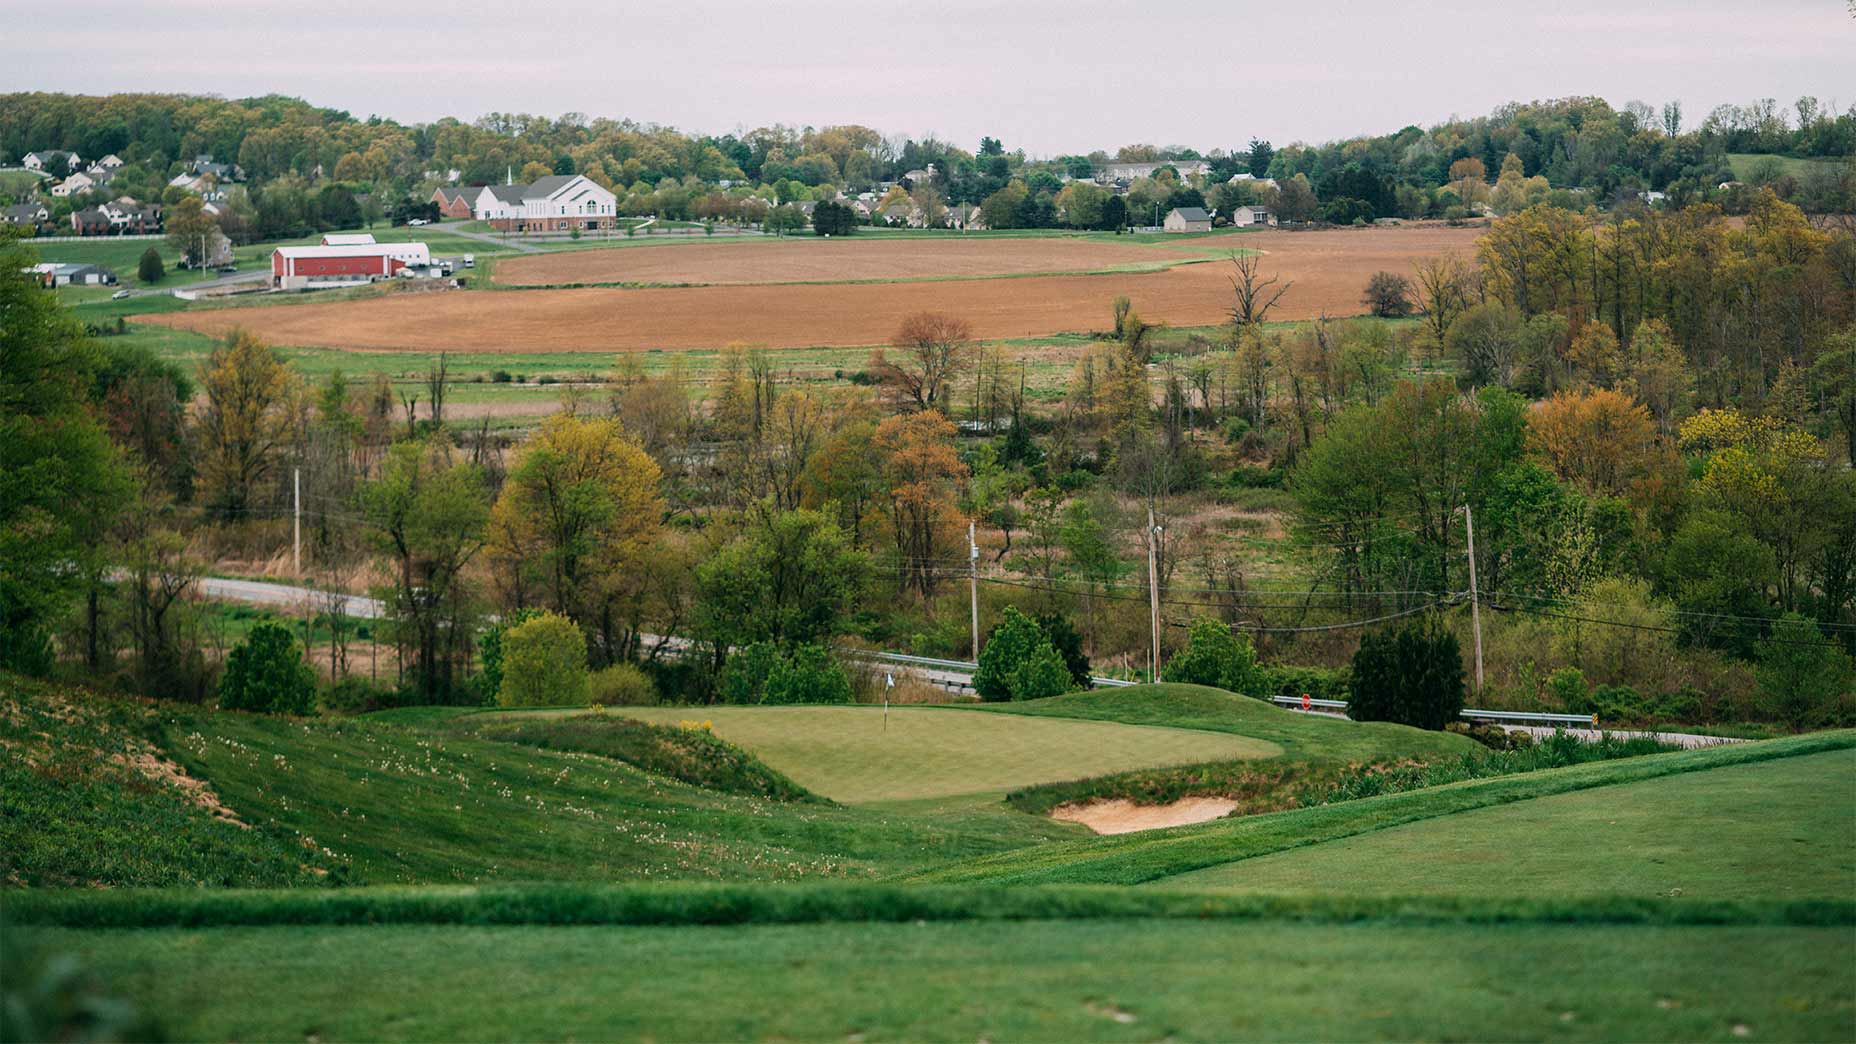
1066,77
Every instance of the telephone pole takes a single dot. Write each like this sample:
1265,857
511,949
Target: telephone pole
973,587
1475,601
1153,593
296,520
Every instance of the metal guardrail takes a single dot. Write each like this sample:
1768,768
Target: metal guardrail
1518,717
968,666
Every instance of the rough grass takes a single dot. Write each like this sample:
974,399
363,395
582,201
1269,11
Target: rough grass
1774,829
1149,856
848,754
85,802
692,755
1115,979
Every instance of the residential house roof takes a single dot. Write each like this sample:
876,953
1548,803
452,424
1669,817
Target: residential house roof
1190,214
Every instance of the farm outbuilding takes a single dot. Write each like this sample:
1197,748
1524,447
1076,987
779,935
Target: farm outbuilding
323,267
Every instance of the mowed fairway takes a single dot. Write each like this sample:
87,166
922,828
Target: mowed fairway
1327,272
1781,829
846,754
811,259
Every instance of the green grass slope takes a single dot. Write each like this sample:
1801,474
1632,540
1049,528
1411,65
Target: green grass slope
87,799
1149,856
692,755
848,754
1784,828
1112,980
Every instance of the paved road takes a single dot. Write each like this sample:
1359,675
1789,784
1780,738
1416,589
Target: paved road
261,592
488,238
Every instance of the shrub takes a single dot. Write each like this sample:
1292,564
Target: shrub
1618,703
490,653
266,673
1215,656
744,676
809,675
150,269
356,695
1413,676
1019,662
621,685
1235,428
1388,295
543,663
1568,687
1250,476
1069,645
1321,683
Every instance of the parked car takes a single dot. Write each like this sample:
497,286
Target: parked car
227,268
119,295
470,260
415,222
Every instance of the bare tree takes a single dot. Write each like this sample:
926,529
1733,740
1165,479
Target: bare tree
1252,295
332,604
435,380
935,349
1442,295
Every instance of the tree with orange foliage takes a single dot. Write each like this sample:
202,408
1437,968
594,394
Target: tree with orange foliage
1600,440
922,472
934,350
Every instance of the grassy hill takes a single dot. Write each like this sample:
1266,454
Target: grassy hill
1783,828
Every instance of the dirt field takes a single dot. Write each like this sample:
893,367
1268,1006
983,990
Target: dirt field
1328,271
810,260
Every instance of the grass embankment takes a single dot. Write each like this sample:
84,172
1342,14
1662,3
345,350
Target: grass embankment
849,754
1314,749
693,755
1113,979
1138,858
1772,829
87,798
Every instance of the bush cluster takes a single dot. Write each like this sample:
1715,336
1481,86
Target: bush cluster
1413,676
1215,656
1020,662
266,672
762,673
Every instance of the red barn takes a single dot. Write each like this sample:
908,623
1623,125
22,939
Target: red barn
320,267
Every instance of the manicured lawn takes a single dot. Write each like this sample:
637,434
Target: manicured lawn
1743,164
395,804
849,755
1156,854
1118,980
1775,829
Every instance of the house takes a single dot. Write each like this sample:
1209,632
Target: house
920,176
897,213
348,239
206,186
53,274
556,203
965,215
33,215
455,202
1240,179
216,207
1652,197
203,164
48,159
120,217
1113,172
79,182
1252,217
1187,219
323,267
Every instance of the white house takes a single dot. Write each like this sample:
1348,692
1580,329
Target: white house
556,203
1239,179
1130,171
1187,219
49,158
79,182
107,163
1252,217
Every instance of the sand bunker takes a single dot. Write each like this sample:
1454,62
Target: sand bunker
1122,816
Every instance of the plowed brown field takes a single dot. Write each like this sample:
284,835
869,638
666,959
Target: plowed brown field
1328,271
806,260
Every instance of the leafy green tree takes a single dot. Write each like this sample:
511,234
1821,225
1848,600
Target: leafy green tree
266,672
1716,572
744,676
62,482
544,663
1413,676
833,219
1215,656
1069,644
789,579
1800,674
150,269
1019,662
490,652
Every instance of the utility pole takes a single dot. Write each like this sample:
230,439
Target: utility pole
973,587
1475,601
1153,593
296,520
